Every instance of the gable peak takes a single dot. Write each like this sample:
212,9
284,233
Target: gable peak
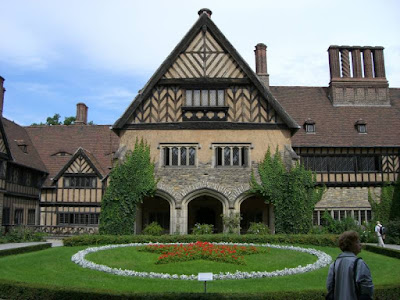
206,11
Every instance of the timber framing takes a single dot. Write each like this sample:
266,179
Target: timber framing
210,125
203,23
79,152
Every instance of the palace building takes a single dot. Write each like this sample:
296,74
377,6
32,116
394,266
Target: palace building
209,120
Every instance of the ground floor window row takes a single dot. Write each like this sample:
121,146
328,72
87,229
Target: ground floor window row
78,218
16,216
224,155
361,216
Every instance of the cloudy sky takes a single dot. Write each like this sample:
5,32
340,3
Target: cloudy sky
54,54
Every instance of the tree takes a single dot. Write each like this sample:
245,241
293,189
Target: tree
55,120
292,192
130,182
69,120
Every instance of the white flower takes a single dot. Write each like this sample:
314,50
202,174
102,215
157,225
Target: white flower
323,260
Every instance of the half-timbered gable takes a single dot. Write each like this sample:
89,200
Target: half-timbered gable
78,158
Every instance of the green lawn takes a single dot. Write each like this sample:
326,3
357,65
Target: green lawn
130,258
54,267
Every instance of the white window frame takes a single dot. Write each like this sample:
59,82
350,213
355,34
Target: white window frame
162,146
248,146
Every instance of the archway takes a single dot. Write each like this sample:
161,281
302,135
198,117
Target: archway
154,209
253,209
205,210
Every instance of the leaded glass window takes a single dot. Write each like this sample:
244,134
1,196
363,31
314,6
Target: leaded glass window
231,155
178,155
205,98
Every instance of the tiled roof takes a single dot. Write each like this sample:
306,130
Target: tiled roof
18,139
335,126
99,140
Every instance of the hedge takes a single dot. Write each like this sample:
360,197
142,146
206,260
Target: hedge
383,251
26,249
22,291
329,240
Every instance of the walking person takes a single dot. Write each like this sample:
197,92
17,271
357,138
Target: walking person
379,234
349,276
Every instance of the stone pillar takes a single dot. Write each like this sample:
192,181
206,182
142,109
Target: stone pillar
81,113
356,60
334,66
367,63
261,63
345,63
379,64
271,218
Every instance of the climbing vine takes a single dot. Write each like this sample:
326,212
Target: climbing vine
387,208
292,192
130,182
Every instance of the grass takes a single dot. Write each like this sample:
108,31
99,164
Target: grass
54,267
130,258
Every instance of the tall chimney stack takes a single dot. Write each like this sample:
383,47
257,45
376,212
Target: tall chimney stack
81,113
2,90
261,63
358,76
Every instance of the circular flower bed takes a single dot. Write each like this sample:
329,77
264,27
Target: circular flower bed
323,260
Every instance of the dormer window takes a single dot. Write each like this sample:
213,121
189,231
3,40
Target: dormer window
61,153
361,126
309,126
22,145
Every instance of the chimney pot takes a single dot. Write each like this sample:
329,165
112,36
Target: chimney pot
261,63
81,113
2,90
206,11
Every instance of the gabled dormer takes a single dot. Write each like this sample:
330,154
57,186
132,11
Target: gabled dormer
205,84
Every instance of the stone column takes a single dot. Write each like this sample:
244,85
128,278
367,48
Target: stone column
271,221
334,66
356,60
345,63
379,64
367,63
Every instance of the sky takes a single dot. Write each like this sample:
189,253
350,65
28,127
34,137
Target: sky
54,54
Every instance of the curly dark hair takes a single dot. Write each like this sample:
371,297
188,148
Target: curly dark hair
347,240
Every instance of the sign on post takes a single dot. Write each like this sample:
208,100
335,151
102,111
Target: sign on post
205,277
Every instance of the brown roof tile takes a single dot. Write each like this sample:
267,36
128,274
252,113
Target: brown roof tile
335,126
18,138
99,140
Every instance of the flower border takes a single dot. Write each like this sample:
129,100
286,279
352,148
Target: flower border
323,260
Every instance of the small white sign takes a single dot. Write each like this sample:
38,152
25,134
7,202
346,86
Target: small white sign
205,277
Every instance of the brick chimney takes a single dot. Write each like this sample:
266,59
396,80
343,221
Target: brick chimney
261,63
358,76
205,11
81,113
2,90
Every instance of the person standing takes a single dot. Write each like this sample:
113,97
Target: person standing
349,277
379,234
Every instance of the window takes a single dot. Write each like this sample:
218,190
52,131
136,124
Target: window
28,178
78,219
309,126
179,155
6,216
341,163
80,182
18,216
205,98
361,126
31,216
3,168
231,155
15,175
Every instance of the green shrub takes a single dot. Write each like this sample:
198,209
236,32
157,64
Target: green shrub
383,251
20,234
202,229
329,240
393,232
20,250
153,229
258,228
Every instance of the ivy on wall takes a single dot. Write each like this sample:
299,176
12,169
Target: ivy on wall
387,208
130,182
292,192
